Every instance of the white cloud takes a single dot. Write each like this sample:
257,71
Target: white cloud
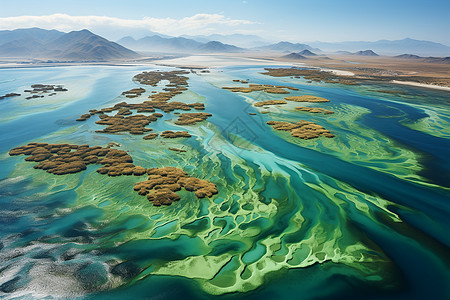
196,24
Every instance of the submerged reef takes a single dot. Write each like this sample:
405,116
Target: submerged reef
302,129
310,74
160,187
315,110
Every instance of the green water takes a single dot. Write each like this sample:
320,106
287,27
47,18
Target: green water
362,215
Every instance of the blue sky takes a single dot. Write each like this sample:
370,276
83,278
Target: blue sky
302,21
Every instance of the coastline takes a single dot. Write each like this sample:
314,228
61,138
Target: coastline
338,72
424,85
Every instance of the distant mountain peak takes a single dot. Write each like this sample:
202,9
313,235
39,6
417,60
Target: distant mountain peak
306,52
216,46
365,53
408,56
287,47
389,47
293,55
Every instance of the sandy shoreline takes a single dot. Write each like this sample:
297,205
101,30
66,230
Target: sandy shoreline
430,86
338,72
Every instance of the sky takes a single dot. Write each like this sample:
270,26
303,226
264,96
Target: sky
287,20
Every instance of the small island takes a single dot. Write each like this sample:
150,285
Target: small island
302,129
133,93
168,134
9,96
191,118
272,89
269,102
306,98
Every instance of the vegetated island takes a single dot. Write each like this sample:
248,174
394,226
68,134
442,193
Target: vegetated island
133,93
9,95
302,129
269,102
306,98
272,89
168,134
160,187
191,118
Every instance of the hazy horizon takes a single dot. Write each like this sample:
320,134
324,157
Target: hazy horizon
286,20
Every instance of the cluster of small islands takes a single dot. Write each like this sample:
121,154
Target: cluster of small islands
38,91
133,118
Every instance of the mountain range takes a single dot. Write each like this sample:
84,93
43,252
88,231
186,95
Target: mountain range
157,43
442,60
365,53
83,45
237,39
43,44
387,47
286,47
294,56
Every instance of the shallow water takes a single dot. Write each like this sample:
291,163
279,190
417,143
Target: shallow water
362,215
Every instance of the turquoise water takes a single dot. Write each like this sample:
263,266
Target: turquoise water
362,215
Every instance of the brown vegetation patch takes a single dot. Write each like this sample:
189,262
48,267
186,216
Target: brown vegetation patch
150,136
191,118
9,95
269,102
133,93
302,129
63,159
260,87
306,98
133,124
177,150
162,184
154,77
168,134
